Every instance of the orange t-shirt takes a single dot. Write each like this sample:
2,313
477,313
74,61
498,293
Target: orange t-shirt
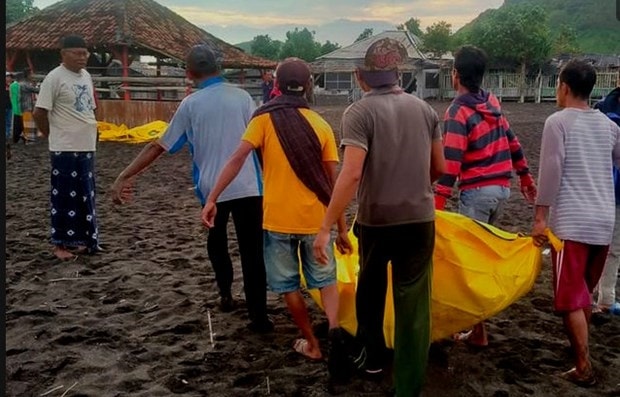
288,205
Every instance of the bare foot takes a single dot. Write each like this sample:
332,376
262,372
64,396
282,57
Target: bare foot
63,254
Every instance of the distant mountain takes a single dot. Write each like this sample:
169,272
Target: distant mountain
245,46
341,31
594,21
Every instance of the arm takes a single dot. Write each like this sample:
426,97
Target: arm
121,188
455,144
519,163
539,233
438,161
228,173
549,177
40,119
344,190
342,241
330,167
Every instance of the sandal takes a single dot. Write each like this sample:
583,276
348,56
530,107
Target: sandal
584,380
301,346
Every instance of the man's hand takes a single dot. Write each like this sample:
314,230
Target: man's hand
343,244
528,188
320,246
122,190
208,214
539,233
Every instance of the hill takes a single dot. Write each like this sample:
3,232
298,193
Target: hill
245,46
594,22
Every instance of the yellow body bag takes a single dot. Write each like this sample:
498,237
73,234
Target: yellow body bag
478,271
141,134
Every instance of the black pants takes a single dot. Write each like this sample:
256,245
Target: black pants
247,216
18,128
410,250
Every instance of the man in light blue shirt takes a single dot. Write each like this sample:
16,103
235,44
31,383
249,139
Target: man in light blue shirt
211,122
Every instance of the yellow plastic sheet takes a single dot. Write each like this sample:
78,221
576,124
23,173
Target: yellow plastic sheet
478,271
141,134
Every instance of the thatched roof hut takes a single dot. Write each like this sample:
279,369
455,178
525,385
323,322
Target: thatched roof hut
114,29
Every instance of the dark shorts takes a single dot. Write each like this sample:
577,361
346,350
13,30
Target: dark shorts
576,271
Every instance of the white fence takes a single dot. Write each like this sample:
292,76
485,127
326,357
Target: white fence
508,86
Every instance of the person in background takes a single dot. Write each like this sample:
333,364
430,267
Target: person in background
481,152
576,201
267,85
211,121
606,288
27,91
8,113
65,113
18,124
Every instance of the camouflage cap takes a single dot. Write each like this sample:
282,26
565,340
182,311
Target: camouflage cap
381,62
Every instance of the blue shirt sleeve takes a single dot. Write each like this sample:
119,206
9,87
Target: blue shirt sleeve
176,134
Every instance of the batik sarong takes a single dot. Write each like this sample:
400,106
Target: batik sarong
74,219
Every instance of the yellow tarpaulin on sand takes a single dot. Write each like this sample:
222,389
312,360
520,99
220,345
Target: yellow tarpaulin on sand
141,134
478,271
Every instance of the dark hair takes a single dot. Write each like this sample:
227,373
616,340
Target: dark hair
470,62
27,72
580,77
203,60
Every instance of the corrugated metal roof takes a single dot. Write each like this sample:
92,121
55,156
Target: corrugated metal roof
142,24
349,65
358,50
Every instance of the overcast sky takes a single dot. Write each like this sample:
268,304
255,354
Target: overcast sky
240,20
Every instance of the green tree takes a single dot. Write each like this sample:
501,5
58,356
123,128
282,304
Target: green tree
16,10
438,39
517,33
300,44
264,46
328,47
412,25
565,41
368,32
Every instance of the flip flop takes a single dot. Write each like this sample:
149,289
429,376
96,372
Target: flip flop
301,347
586,380
465,338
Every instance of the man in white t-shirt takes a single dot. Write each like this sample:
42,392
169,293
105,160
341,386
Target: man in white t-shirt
65,113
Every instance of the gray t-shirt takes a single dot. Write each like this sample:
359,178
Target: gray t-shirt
211,121
575,176
397,131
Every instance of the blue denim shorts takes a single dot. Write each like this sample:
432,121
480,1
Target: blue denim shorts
484,203
283,254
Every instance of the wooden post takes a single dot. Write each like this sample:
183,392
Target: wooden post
125,61
501,85
522,83
158,74
29,61
11,58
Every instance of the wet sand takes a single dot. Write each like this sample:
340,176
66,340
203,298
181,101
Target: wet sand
134,320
